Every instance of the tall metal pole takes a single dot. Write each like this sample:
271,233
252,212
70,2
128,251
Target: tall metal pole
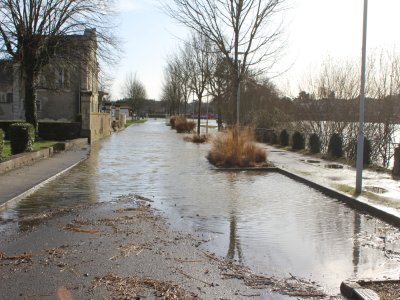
360,142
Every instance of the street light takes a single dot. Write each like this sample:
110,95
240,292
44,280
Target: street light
360,142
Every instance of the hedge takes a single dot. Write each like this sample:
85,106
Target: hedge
298,141
6,124
314,143
284,138
59,131
22,137
335,146
56,131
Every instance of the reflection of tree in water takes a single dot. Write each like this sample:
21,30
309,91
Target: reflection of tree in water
234,242
234,247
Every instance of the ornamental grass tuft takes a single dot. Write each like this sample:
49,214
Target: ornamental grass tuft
228,150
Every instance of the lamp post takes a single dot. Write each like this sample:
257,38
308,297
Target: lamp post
360,142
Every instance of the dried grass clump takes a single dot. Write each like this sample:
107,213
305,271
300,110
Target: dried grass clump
197,139
172,121
230,151
182,125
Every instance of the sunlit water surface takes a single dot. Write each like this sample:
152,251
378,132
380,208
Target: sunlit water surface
273,224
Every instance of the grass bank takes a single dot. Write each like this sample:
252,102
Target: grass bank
130,122
36,146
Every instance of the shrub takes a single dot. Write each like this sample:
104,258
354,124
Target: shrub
284,138
335,146
197,139
22,137
172,121
227,151
6,124
273,138
367,152
298,141
2,135
182,125
314,143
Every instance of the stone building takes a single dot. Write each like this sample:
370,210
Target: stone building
67,88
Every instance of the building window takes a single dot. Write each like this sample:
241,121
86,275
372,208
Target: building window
38,105
62,77
9,97
3,98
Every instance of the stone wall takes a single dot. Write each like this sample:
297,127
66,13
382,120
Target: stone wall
100,126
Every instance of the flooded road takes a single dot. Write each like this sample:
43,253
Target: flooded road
271,223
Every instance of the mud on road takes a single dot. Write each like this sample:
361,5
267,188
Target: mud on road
125,250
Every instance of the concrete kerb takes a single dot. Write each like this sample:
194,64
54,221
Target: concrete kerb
18,198
352,290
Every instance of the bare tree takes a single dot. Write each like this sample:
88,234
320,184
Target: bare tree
219,85
244,31
199,61
172,86
135,92
31,31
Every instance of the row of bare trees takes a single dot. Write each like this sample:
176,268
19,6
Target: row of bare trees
336,88
230,40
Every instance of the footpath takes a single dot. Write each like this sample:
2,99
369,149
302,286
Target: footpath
20,182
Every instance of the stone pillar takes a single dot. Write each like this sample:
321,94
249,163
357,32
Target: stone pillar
396,165
85,112
117,112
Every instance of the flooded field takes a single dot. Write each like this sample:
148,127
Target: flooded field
271,223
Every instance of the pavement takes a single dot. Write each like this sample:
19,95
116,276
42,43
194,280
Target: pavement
379,190
19,183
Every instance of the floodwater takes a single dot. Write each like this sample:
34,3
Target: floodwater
271,223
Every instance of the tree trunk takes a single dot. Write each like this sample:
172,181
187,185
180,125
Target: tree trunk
234,100
219,111
30,98
198,117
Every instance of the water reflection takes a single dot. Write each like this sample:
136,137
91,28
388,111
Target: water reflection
270,222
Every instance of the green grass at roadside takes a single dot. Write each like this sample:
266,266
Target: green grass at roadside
36,146
130,122
209,126
374,198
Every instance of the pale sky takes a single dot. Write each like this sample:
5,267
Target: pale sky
314,30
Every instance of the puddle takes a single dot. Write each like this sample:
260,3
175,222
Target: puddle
335,178
312,161
376,189
333,166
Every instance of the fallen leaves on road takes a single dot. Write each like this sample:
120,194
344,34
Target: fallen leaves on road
76,228
133,287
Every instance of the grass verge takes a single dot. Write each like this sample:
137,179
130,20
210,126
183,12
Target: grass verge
374,198
130,122
36,146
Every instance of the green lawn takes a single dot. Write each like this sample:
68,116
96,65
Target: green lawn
36,146
130,122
